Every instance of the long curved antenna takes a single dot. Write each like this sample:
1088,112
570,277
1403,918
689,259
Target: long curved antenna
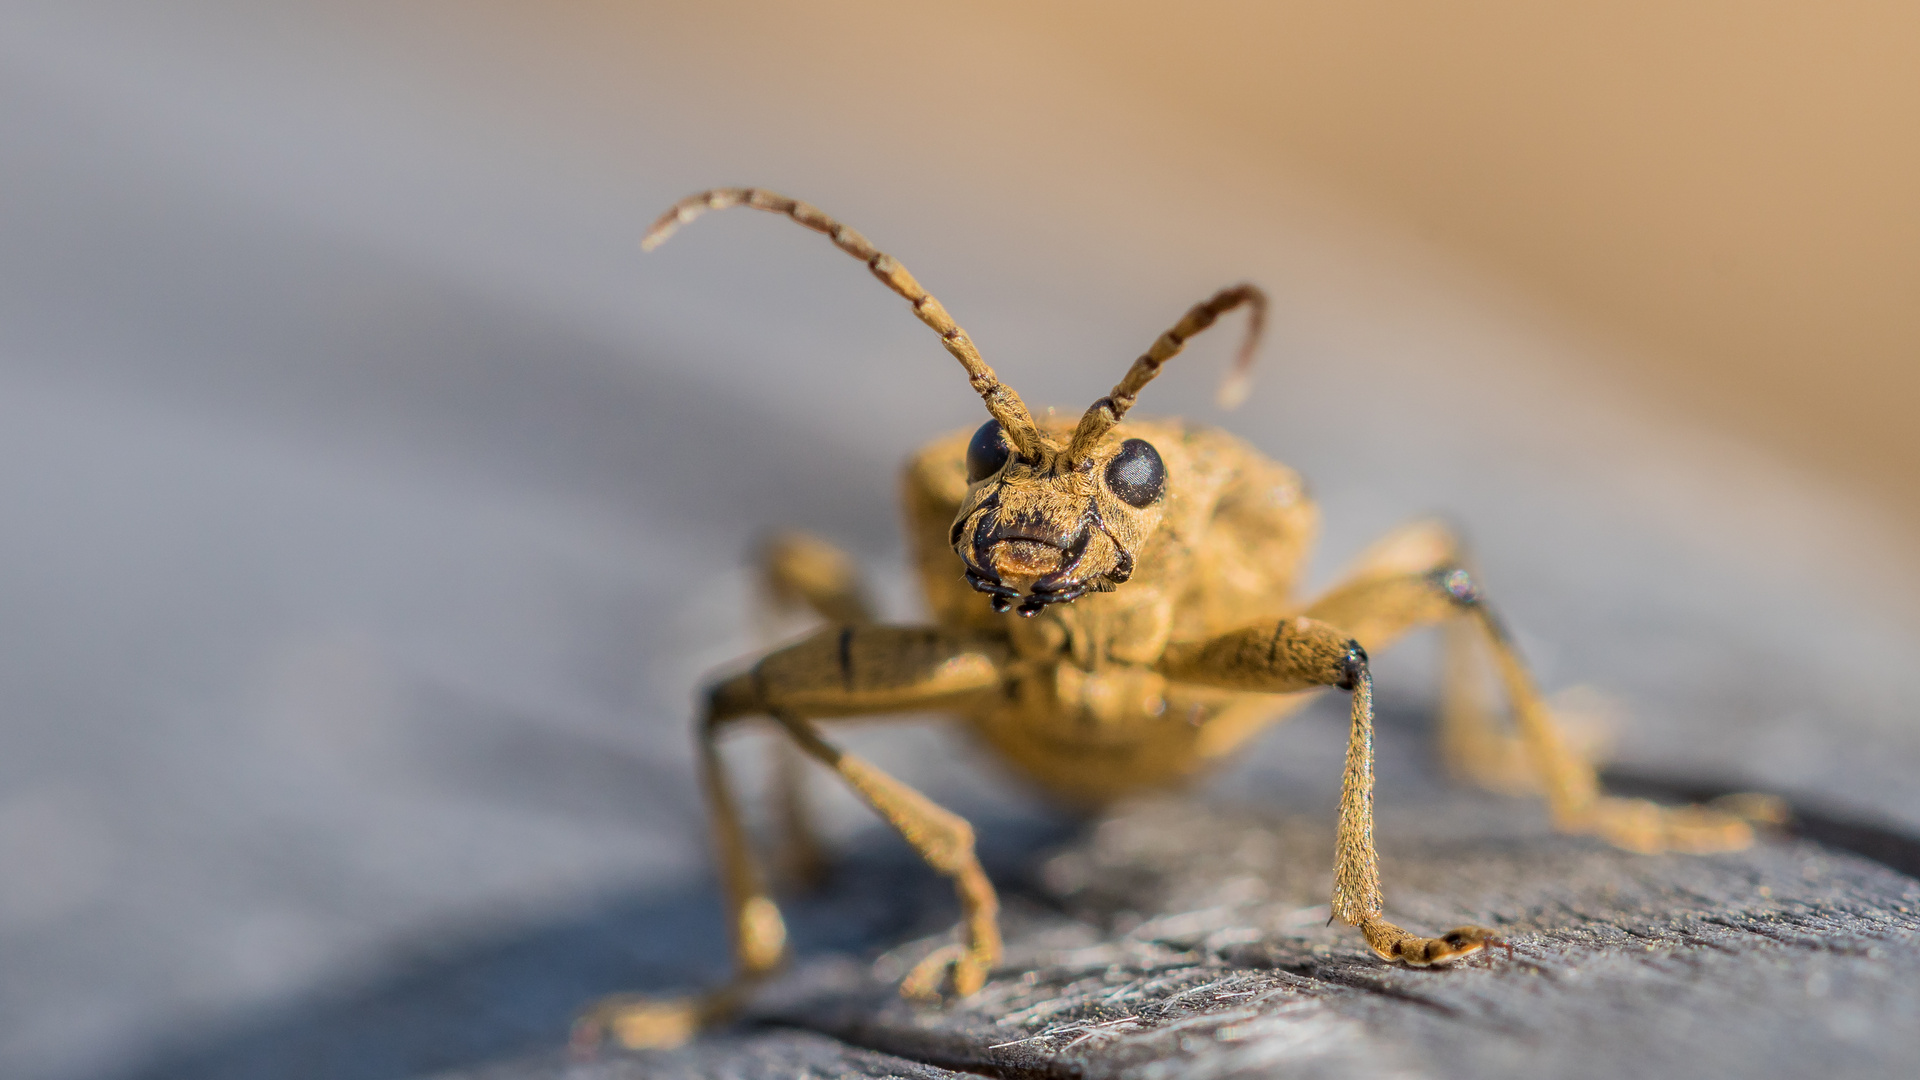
1002,402
1107,412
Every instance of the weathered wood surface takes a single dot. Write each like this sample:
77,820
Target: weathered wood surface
771,1055
1194,944
1185,939
359,578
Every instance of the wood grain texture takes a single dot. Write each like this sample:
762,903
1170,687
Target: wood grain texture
1181,938
776,1055
1192,943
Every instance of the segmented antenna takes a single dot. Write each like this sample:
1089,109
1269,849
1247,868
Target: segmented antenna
1001,401
1107,411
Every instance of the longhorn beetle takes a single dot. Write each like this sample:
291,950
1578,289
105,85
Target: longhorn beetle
1138,624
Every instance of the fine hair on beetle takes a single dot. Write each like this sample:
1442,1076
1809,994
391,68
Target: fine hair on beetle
1141,687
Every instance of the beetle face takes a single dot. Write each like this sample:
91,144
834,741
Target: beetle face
1039,532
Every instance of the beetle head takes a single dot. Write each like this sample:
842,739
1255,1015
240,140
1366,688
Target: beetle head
1043,527
1047,522
1043,522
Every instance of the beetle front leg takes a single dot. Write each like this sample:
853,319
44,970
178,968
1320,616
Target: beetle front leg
856,670
1301,654
945,841
839,672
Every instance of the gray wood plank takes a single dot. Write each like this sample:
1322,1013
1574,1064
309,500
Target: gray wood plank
1189,937
1192,942
773,1055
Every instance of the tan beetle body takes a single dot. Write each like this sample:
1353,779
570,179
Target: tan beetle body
1083,711
1112,608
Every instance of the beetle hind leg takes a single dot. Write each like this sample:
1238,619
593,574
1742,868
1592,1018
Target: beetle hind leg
759,934
1471,743
1476,745
1414,578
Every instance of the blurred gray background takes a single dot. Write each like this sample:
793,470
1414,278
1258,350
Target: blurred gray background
373,507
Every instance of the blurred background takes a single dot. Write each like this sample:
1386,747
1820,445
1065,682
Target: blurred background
372,507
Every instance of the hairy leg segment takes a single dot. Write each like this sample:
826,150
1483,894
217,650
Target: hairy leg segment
840,671
1415,578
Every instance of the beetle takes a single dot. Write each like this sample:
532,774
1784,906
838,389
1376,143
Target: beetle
1113,611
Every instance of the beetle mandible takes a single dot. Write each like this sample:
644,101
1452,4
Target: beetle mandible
1138,624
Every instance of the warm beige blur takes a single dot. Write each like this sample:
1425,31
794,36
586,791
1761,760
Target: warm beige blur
1732,185
1729,190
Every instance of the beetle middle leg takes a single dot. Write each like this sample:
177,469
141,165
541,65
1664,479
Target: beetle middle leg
841,671
801,571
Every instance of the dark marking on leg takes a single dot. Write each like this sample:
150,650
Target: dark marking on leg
846,657
1354,667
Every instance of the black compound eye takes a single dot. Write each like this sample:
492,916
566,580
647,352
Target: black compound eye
1137,476
987,452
